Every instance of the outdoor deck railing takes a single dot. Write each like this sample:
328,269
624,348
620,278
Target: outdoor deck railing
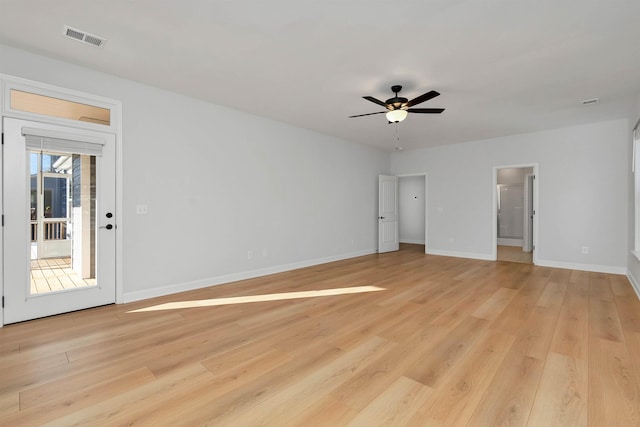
53,230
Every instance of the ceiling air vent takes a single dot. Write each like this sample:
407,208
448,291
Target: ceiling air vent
84,37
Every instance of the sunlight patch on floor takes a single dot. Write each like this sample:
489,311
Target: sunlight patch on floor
258,298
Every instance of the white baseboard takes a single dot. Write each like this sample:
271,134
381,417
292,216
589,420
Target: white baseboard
412,241
582,267
634,283
504,241
542,263
486,257
218,280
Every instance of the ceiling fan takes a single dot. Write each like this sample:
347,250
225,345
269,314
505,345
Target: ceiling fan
398,107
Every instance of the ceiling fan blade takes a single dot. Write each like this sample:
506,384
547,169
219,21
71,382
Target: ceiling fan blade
368,114
375,101
424,97
426,110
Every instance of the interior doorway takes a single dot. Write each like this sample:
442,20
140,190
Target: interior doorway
402,212
412,209
514,213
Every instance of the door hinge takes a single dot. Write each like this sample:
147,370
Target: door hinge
3,220
2,138
3,302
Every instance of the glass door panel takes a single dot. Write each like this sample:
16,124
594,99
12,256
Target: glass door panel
62,217
59,235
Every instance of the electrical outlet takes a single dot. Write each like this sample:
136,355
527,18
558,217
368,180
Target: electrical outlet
141,209
265,252
585,249
249,254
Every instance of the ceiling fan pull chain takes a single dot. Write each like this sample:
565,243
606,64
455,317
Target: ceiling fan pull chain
398,147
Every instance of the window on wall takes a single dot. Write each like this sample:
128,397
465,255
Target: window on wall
636,187
49,106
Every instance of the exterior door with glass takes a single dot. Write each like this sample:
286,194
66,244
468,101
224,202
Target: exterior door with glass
59,223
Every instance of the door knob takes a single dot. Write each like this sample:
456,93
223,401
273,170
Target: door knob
108,226
109,215
380,217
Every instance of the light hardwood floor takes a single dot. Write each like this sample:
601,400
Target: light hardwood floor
514,254
447,342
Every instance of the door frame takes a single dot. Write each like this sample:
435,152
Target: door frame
494,217
527,238
426,203
8,83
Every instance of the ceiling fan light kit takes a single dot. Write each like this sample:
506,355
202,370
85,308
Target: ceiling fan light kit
396,116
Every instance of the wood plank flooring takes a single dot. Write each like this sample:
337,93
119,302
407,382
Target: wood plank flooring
444,342
514,254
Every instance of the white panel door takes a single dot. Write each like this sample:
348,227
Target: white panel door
388,236
57,196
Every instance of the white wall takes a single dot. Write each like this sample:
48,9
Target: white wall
411,209
583,199
513,176
511,216
219,183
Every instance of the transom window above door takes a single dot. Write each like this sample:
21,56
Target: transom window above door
55,107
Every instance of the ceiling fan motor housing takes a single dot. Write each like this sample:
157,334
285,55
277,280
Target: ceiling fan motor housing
396,102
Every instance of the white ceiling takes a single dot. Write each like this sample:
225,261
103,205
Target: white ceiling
502,66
